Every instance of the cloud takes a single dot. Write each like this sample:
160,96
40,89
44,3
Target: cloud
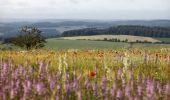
115,9
74,1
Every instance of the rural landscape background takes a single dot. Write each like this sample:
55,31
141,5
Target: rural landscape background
84,50
156,32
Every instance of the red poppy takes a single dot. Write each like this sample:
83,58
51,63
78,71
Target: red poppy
92,73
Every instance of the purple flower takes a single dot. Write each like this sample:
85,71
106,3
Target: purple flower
75,84
67,88
119,94
168,89
103,83
57,97
12,93
4,70
17,83
94,87
15,74
79,77
150,88
136,98
119,74
139,79
66,77
13,90
27,86
41,66
115,85
127,90
51,82
79,95
58,87
130,75
86,83
139,89
159,88
130,98
40,88
21,69
112,92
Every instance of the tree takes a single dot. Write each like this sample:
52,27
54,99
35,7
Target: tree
29,38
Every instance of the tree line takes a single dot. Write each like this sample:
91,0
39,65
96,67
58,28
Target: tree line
122,30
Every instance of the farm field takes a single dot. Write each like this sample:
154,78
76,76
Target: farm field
56,43
164,39
130,38
74,74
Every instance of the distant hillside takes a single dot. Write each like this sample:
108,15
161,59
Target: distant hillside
122,30
1,34
56,27
128,38
151,23
102,24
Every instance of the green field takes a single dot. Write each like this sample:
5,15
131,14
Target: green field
81,44
164,39
55,43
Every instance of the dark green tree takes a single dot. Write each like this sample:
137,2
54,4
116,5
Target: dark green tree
29,38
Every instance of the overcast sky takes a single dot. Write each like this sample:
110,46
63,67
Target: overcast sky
85,9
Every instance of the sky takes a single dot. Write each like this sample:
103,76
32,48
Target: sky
85,9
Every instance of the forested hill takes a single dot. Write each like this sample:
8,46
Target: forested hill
122,30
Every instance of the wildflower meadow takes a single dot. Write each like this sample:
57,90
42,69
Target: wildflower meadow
121,74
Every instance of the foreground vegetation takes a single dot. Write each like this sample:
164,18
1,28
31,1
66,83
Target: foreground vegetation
85,74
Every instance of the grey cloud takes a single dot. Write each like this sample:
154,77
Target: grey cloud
74,1
79,1
5,2
95,9
22,4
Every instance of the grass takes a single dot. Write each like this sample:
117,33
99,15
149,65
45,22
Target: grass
84,44
164,39
55,43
